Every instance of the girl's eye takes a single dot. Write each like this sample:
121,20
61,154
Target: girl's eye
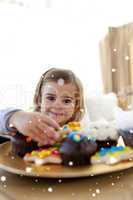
51,98
67,101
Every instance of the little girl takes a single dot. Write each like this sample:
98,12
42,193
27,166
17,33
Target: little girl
58,100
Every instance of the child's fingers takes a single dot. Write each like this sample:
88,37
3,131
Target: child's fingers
40,144
43,137
64,132
47,138
51,142
43,127
45,119
36,138
48,142
38,135
49,131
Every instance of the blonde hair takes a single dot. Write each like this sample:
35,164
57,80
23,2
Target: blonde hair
53,75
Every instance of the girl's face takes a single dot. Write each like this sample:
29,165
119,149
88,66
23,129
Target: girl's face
58,101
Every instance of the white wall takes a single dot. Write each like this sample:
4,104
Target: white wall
34,37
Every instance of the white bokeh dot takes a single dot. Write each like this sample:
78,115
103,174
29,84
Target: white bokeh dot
113,70
70,163
114,49
50,189
60,82
28,169
93,194
126,57
3,178
98,191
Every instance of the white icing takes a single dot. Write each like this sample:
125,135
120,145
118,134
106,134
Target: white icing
41,161
120,142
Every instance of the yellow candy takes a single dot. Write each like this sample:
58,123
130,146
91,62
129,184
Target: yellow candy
44,154
75,126
34,153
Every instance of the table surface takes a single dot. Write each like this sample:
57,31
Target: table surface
116,186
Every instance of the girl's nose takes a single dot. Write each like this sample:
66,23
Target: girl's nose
58,103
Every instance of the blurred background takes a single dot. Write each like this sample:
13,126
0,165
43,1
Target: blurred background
77,34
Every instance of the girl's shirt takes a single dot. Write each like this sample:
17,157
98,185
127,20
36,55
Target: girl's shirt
5,115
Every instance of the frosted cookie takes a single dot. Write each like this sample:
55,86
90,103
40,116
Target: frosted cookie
112,155
44,156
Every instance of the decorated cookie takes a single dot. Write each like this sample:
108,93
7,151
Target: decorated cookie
44,156
112,155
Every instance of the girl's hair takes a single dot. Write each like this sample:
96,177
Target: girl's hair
53,75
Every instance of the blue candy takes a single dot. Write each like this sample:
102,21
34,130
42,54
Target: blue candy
104,151
76,136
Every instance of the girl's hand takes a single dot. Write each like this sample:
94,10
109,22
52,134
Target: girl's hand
39,127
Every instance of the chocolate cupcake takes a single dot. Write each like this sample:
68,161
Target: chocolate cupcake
76,149
21,146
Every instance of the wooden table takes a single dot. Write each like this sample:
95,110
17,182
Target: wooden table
116,186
